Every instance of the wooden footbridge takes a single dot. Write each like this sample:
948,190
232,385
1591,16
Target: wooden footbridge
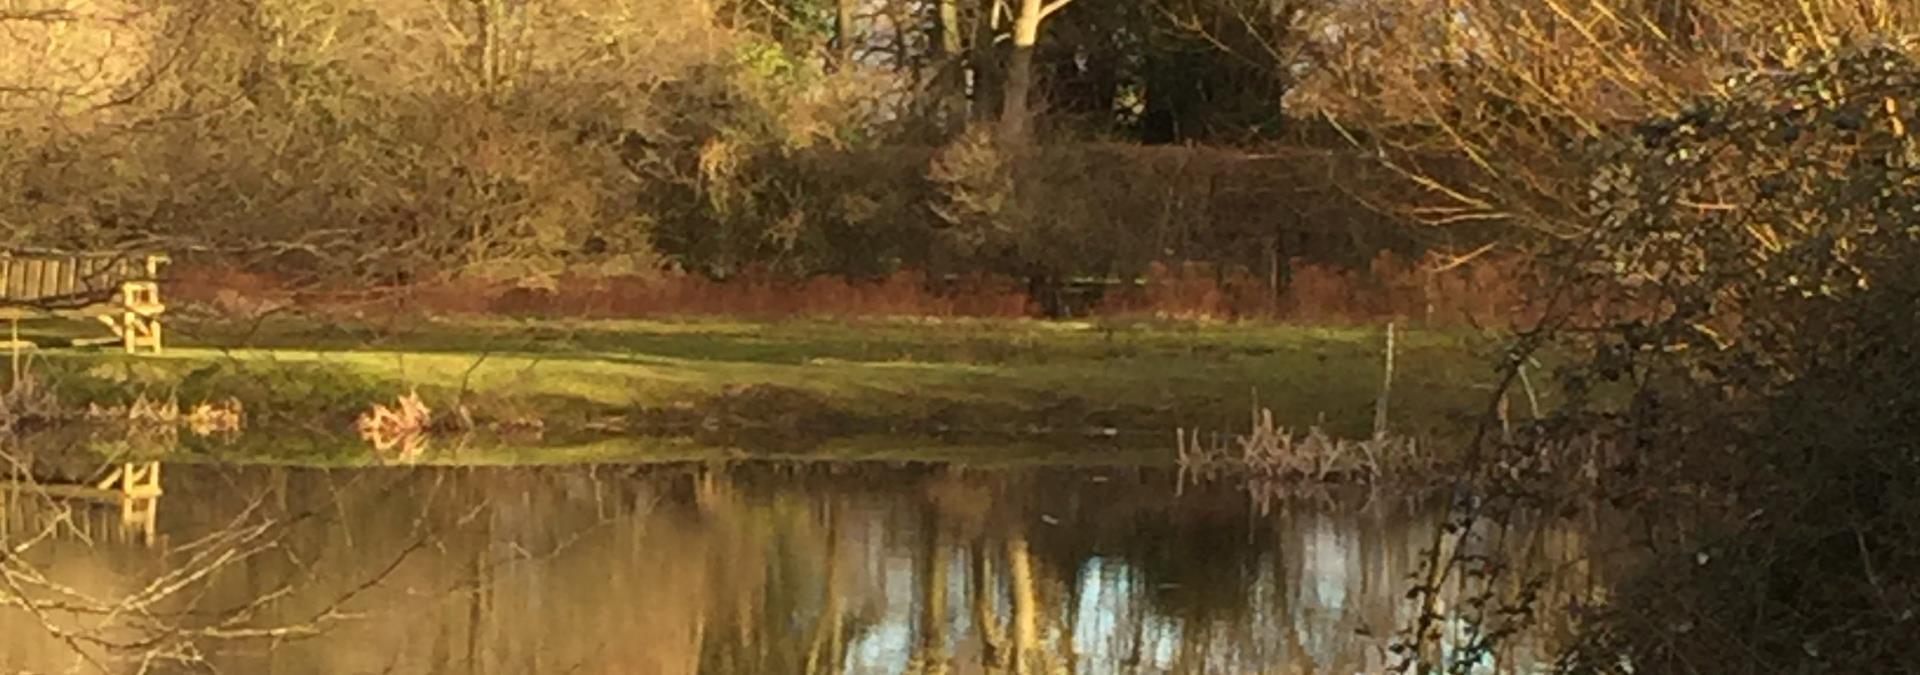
121,290
133,486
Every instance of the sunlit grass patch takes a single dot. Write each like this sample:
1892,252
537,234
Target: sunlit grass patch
1006,377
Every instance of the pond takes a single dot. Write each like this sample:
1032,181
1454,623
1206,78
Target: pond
740,567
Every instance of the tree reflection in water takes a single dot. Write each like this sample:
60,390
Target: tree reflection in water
792,568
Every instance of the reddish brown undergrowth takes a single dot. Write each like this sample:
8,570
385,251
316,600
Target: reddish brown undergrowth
1390,288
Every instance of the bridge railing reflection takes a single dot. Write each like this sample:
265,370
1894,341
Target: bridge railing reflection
121,502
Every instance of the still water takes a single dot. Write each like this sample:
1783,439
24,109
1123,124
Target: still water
729,568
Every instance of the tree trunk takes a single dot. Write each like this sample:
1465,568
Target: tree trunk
823,654
985,619
497,38
843,37
1026,606
989,71
933,599
1016,118
953,74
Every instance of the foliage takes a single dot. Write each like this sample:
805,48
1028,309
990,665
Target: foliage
531,135
1756,256
515,139
1721,195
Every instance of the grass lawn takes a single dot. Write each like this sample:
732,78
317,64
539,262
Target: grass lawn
795,379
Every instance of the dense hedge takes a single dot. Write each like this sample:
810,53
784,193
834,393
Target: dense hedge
1057,211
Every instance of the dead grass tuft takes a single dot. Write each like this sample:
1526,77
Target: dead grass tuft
400,430
226,417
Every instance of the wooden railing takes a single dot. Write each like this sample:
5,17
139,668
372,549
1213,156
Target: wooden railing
134,486
119,289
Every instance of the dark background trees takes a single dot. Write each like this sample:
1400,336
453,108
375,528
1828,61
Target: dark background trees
410,139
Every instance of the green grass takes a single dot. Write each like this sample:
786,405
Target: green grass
808,378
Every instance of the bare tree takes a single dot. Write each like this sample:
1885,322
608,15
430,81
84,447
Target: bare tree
63,58
1479,102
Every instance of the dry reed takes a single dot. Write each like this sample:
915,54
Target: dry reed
400,430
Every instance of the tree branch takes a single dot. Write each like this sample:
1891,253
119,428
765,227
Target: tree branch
38,15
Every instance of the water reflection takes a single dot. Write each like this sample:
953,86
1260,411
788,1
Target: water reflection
119,502
774,568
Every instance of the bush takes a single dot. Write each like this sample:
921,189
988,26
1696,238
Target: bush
1756,253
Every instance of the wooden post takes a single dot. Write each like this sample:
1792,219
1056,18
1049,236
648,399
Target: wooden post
138,518
1276,288
130,331
140,320
1386,390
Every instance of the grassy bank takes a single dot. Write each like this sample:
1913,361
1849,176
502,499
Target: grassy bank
783,382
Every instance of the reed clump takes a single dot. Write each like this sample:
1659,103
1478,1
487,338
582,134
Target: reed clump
1270,452
28,403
